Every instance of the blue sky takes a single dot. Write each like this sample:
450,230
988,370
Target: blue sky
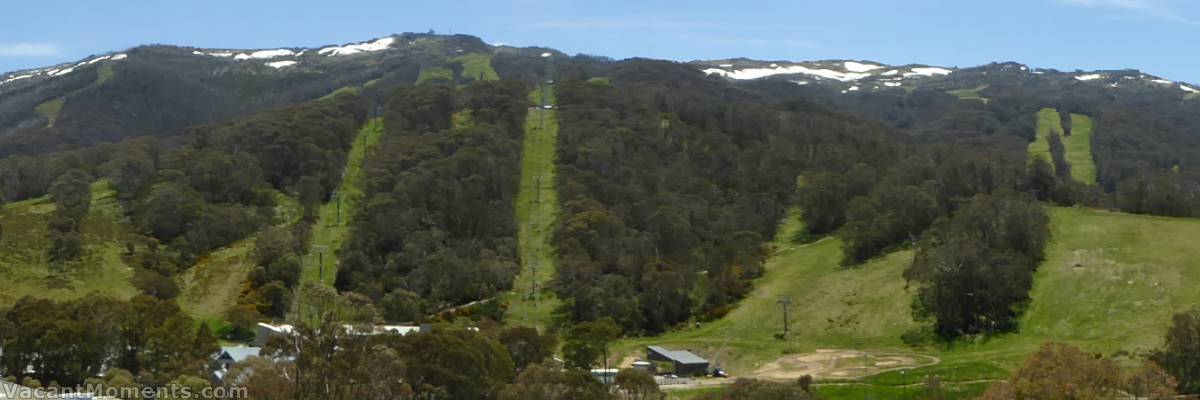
1157,36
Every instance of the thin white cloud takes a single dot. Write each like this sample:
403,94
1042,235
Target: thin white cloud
1161,9
27,50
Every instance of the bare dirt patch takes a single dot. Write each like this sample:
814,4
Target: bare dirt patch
839,364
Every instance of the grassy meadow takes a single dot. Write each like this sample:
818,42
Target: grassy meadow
537,212
1047,121
1079,149
477,66
26,241
1110,284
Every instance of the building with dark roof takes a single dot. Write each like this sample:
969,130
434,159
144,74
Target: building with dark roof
685,362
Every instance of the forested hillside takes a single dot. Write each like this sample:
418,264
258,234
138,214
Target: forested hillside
671,183
151,195
439,227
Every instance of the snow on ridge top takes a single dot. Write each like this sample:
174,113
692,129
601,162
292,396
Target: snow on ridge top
280,64
61,72
1189,89
1089,77
16,78
890,73
927,71
264,54
756,73
377,45
221,54
55,72
860,67
94,60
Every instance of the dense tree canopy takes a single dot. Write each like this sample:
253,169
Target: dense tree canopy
975,268
71,342
671,183
439,227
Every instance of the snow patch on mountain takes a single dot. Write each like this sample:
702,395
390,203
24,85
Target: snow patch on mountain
860,67
264,54
927,71
381,44
55,72
1189,89
1089,77
756,73
281,64
94,60
16,78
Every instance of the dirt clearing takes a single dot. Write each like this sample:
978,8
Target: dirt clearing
839,364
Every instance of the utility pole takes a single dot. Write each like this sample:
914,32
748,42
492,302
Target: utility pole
537,189
533,266
338,199
785,301
321,262
544,85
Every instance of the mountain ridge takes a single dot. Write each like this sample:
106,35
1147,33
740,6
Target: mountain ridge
401,40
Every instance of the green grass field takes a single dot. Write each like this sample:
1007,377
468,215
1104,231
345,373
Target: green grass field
863,307
1110,284
1079,149
50,110
105,73
969,93
536,95
477,65
1047,121
210,287
1078,146
213,284
25,242
432,73
537,210
331,230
